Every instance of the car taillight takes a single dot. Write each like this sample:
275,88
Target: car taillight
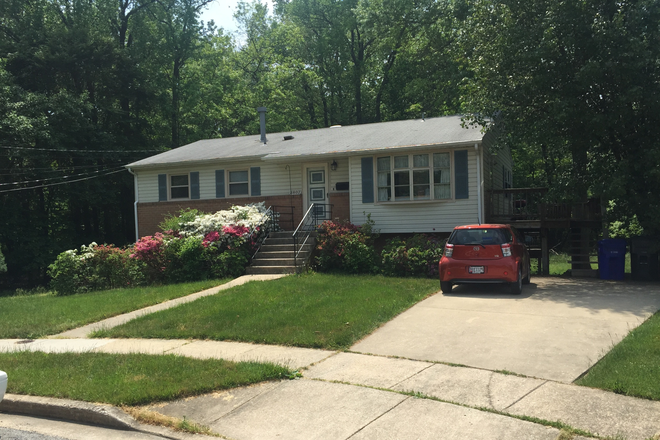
449,250
506,250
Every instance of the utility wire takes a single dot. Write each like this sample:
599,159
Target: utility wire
79,151
65,169
59,183
58,178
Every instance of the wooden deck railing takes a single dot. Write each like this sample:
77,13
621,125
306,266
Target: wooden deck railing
530,204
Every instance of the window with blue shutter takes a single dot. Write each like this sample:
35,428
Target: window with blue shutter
255,181
461,174
162,187
219,184
367,180
194,185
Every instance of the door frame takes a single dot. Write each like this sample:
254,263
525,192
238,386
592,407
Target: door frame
305,172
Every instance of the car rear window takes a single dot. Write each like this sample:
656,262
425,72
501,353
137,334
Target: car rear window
483,236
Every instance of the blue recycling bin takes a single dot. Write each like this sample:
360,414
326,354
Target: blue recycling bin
612,258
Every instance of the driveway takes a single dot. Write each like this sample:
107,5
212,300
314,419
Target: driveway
557,329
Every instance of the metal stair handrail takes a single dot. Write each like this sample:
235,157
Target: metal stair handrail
308,225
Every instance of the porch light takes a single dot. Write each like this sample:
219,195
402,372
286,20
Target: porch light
333,165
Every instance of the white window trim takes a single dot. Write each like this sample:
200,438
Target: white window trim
410,168
228,183
169,186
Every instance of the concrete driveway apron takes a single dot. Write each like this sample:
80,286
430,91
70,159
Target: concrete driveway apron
557,329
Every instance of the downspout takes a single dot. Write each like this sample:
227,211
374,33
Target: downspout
479,197
135,185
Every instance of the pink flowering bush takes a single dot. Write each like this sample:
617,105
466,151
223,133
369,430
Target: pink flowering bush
195,246
345,247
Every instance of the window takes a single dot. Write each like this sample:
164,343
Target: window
179,186
414,177
239,183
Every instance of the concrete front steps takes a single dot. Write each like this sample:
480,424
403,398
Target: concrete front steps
277,255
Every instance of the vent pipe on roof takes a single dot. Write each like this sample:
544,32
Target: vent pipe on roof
262,123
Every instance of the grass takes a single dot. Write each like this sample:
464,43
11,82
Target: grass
129,379
38,315
559,263
313,310
632,367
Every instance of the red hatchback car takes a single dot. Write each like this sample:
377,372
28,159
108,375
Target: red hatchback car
485,254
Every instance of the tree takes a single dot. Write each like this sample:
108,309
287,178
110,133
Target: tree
576,80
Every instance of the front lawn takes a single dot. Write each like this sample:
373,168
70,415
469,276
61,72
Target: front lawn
34,316
313,310
632,367
127,379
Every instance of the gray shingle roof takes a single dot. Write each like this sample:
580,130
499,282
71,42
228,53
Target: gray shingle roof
339,141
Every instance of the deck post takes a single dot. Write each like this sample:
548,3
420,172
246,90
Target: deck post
545,252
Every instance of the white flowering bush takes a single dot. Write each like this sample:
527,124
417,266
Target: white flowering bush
249,216
193,246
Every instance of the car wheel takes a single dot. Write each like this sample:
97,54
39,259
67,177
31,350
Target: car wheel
516,286
445,286
528,278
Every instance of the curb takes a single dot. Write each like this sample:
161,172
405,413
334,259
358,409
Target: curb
82,412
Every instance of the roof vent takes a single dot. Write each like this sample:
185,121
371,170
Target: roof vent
288,138
262,123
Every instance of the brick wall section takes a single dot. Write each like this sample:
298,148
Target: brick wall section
151,214
340,206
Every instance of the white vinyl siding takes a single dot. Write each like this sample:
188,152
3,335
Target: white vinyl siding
339,175
423,216
274,178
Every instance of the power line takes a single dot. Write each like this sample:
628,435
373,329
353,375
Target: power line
56,178
65,169
79,151
59,183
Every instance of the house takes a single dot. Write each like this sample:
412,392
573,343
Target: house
424,175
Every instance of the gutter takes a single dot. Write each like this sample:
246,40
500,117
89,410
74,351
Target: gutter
135,212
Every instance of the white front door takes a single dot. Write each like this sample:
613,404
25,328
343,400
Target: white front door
317,191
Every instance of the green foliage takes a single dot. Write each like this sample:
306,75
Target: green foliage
176,222
184,260
416,256
94,267
3,265
344,247
577,86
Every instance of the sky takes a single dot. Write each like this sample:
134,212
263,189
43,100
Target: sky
222,12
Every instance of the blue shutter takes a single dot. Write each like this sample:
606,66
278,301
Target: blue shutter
255,181
461,174
194,185
367,180
162,187
219,184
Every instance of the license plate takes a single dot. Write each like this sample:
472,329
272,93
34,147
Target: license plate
476,269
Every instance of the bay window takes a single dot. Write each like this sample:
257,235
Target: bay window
414,177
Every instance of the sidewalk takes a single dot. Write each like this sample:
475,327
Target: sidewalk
346,395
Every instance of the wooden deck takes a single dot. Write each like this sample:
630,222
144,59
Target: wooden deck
531,211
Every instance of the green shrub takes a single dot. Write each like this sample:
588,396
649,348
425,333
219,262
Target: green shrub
184,260
416,256
3,265
177,222
94,267
345,247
